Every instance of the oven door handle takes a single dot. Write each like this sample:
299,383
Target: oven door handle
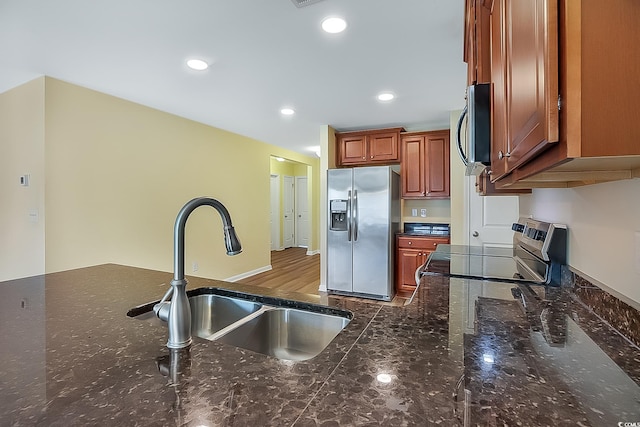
418,274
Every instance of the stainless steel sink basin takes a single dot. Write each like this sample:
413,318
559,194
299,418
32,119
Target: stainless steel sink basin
212,313
286,333
265,325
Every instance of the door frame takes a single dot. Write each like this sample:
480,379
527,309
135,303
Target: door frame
305,201
285,179
274,211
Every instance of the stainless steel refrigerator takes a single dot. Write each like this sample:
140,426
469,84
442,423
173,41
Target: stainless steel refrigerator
364,215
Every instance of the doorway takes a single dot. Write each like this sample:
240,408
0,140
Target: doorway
290,218
489,218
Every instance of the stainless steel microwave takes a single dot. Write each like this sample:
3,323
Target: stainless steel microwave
477,112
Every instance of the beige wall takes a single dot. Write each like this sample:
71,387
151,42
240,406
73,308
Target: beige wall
604,230
458,197
438,211
117,173
22,152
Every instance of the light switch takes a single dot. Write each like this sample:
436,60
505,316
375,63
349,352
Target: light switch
414,212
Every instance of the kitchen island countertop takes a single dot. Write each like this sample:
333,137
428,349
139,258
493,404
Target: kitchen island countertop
485,352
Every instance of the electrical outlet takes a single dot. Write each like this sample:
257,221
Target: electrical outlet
195,266
423,213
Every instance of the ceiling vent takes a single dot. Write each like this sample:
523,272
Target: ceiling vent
303,3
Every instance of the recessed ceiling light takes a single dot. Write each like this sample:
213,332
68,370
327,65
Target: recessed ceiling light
197,64
334,25
386,96
287,111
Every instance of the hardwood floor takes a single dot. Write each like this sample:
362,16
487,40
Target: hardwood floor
292,270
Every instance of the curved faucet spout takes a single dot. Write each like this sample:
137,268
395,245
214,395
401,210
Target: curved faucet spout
231,240
179,317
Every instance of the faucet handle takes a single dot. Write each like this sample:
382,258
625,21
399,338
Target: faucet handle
161,310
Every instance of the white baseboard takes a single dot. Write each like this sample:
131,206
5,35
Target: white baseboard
316,252
248,274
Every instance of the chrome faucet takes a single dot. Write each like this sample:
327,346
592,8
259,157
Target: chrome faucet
177,312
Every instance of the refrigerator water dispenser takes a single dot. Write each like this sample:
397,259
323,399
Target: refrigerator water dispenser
338,211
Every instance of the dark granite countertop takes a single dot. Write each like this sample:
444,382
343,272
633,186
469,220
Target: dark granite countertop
485,352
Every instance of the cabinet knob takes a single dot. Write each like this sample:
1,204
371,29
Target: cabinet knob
409,242
435,244
372,157
364,158
502,155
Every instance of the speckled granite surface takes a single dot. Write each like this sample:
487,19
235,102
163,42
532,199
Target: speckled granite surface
483,353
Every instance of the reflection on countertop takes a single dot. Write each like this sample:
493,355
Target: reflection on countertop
462,352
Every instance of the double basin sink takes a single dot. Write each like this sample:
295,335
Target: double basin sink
284,329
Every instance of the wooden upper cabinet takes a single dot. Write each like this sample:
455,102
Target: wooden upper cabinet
587,52
532,77
499,131
477,41
437,171
383,147
353,149
413,166
425,165
368,147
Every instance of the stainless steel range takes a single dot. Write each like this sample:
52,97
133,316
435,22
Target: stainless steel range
539,250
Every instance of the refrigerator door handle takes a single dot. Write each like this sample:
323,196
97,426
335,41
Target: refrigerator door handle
349,216
355,215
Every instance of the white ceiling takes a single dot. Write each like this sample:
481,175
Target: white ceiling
264,55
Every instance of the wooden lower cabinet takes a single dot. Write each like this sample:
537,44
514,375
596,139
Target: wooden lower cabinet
411,253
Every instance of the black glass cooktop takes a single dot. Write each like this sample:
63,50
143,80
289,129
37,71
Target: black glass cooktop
477,262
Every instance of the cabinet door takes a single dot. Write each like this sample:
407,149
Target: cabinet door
412,167
383,147
531,29
408,262
499,113
353,149
437,176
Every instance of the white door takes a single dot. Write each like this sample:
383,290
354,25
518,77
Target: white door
302,212
490,218
274,218
288,214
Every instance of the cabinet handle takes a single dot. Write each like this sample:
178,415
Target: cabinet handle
502,155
